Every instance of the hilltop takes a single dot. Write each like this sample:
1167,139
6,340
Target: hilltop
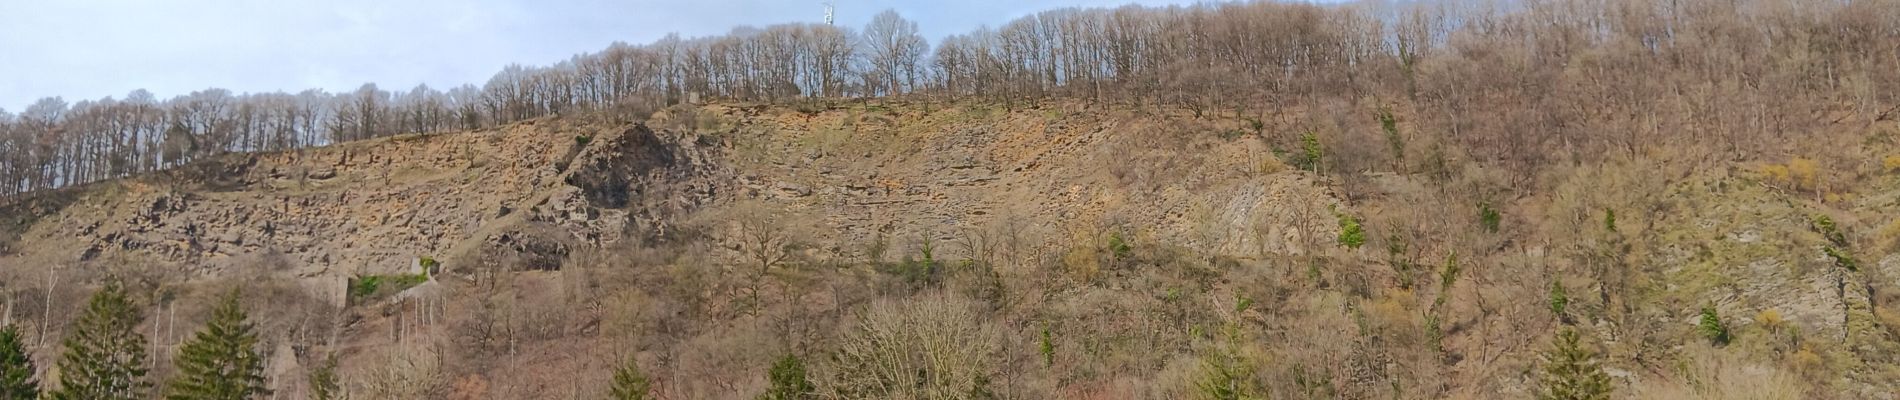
1132,244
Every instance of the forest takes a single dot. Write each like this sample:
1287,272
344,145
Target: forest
1522,82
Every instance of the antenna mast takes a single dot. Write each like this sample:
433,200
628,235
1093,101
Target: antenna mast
827,13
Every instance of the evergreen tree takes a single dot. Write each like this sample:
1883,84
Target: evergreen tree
630,384
104,356
788,381
16,368
221,362
1571,372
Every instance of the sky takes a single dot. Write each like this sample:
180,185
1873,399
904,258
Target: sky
90,49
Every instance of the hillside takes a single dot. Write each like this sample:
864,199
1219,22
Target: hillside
1049,249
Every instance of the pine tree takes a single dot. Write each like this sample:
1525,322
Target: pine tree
788,381
630,384
104,357
1571,372
16,368
221,362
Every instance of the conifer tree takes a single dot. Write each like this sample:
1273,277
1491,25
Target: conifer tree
104,356
788,381
16,368
1571,372
221,362
629,383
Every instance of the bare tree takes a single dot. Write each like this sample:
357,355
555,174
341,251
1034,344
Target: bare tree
895,50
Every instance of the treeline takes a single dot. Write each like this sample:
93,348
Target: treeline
1520,82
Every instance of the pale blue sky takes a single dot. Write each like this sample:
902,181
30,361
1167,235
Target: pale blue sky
88,49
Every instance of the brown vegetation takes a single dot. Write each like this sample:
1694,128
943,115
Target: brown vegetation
1083,203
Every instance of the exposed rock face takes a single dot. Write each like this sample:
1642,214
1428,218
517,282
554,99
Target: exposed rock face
375,207
646,178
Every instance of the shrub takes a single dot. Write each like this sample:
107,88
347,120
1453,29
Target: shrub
1770,319
1828,229
1351,234
1396,250
1806,173
1713,328
1449,275
368,286
582,140
1391,126
1841,258
1609,220
1890,236
932,346
1798,174
1047,347
1489,217
1119,246
429,265
1310,152
1558,299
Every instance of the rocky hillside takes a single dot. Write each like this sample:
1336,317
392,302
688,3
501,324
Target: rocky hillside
1106,252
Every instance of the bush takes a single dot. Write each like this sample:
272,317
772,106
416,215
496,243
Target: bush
932,346
788,381
1713,328
1841,258
1799,174
582,140
1826,227
1351,234
1397,252
1047,347
1391,126
1311,153
1889,236
368,286
1119,246
1609,220
1489,217
1558,299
